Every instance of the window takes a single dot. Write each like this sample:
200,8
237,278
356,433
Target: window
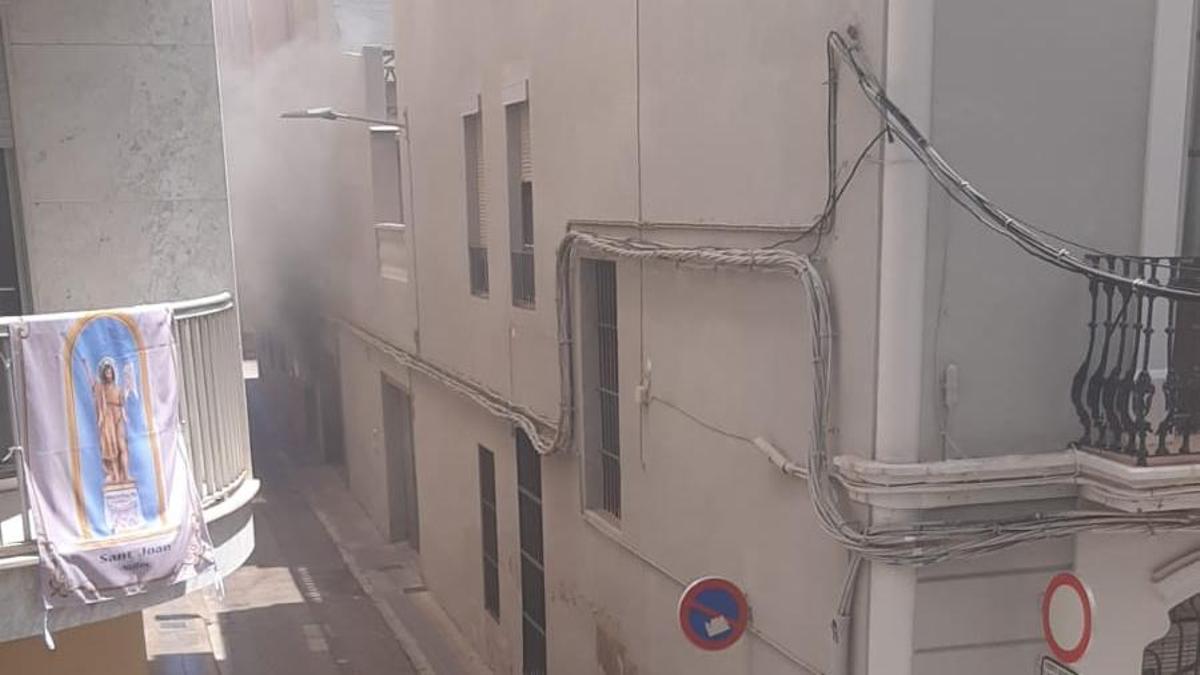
387,197
392,251
602,421
520,202
1178,651
533,570
476,204
12,259
487,517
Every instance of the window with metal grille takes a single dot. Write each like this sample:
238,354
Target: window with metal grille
487,517
520,200
477,262
1178,651
602,421
533,569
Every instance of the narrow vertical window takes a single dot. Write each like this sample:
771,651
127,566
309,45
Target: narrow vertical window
520,199
602,422
476,204
487,517
533,568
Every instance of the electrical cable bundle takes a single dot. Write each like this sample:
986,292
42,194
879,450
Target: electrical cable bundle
1028,237
918,543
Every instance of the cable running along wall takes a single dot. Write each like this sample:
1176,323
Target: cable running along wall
909,543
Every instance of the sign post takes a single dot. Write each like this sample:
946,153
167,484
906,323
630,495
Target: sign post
713,613
1052,667
1067,607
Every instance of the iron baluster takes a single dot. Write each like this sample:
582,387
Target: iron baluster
1081,375
1125,388
1171,381
1096,383
1143,388
1112,383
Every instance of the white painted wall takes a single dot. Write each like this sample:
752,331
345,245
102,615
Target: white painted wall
1133,594
119,151
728,129
1043,106
666,110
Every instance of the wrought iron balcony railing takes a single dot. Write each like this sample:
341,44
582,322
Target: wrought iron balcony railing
212,405
1137,392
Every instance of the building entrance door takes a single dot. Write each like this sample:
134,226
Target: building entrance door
401,465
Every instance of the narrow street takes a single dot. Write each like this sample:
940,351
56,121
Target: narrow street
293,609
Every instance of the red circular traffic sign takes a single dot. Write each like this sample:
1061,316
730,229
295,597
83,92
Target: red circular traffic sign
1067,617
713,613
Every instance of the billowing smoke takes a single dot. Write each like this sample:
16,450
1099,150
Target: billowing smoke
295,185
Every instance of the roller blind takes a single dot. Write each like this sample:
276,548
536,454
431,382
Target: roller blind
526,154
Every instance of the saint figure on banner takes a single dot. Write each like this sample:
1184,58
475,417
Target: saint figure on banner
110,396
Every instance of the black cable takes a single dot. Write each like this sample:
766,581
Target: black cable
983,209
819,225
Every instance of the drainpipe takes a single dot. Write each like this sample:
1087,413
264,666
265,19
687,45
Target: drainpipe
903,233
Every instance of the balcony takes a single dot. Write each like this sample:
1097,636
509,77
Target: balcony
1136,394
214,422
1129,406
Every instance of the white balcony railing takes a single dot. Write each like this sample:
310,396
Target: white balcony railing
212,404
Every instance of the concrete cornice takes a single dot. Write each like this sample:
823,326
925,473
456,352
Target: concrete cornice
1017,478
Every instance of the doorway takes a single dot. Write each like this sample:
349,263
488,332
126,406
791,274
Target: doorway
400,465
330,396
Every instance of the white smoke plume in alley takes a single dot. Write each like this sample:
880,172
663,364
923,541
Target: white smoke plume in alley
293,183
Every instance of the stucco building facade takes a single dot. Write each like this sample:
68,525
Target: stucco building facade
705,125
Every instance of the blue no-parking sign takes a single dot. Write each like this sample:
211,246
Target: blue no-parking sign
713,613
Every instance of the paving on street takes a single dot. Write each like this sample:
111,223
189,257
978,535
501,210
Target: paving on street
322,594
294,607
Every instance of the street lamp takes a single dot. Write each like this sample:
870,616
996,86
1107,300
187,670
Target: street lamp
327,113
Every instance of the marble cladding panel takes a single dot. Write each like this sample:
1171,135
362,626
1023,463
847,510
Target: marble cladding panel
110,22
104,123
90,255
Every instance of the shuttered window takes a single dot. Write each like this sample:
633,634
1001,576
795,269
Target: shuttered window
520,196
476,203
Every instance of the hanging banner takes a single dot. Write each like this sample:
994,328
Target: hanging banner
114,504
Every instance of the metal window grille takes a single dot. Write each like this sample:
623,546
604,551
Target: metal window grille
533,571
1177,652
476,204
490,547
608,386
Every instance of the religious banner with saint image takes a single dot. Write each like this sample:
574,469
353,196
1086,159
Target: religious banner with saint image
113,501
